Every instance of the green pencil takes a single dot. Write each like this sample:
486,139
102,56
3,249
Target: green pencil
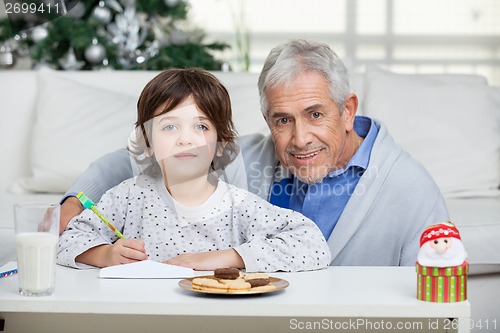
87,203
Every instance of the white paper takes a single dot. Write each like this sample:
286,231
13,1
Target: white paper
8,266
146,269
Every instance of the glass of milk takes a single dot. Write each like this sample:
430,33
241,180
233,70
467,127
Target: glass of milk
37,233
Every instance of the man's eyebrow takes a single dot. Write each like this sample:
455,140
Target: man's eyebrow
279,114
313,107
310,108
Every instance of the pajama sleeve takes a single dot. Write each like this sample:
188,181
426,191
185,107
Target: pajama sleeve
87,230
279,239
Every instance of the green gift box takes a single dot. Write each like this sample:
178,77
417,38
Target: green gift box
442,284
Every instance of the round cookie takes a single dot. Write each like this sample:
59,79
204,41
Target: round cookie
236,284
208,284
250,276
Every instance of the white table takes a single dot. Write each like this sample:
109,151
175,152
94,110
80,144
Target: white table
352,298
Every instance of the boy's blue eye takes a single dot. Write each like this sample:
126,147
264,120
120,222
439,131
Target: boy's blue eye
201,127
168,127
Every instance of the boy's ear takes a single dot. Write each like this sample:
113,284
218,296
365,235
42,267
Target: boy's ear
220,149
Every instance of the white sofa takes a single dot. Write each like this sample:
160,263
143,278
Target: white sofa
55,123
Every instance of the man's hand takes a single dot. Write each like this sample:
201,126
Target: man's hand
208,261
123,251
70,208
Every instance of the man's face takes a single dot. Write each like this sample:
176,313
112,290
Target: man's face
308,131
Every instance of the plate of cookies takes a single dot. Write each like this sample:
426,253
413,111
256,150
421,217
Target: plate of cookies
230,281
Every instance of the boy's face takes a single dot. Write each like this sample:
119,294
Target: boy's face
183,142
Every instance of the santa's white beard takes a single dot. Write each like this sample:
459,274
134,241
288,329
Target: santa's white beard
454,256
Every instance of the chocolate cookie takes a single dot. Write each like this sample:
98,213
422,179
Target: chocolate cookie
257,279
258,282
227,273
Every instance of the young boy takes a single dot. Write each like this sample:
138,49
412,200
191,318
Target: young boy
178,211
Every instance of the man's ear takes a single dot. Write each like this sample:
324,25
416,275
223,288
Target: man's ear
349,112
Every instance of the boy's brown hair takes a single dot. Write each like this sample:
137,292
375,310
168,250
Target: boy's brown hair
169,89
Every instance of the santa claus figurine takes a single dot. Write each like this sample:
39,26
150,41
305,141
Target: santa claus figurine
441,246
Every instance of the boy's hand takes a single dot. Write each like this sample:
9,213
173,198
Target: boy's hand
123,251
208,261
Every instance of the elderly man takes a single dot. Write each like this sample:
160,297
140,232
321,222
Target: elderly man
369,198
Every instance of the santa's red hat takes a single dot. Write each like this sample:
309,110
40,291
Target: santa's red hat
445,229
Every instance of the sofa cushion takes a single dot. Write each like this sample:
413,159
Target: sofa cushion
74,125
478,220
18,98
452,128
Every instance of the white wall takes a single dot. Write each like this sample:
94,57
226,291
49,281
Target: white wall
424,36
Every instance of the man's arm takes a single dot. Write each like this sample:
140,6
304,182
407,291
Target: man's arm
70,208
437,213
103,174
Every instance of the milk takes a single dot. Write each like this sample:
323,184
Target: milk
36,259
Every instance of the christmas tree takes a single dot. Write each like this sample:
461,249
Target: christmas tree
97,34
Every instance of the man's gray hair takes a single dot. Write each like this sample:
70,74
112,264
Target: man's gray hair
287,61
